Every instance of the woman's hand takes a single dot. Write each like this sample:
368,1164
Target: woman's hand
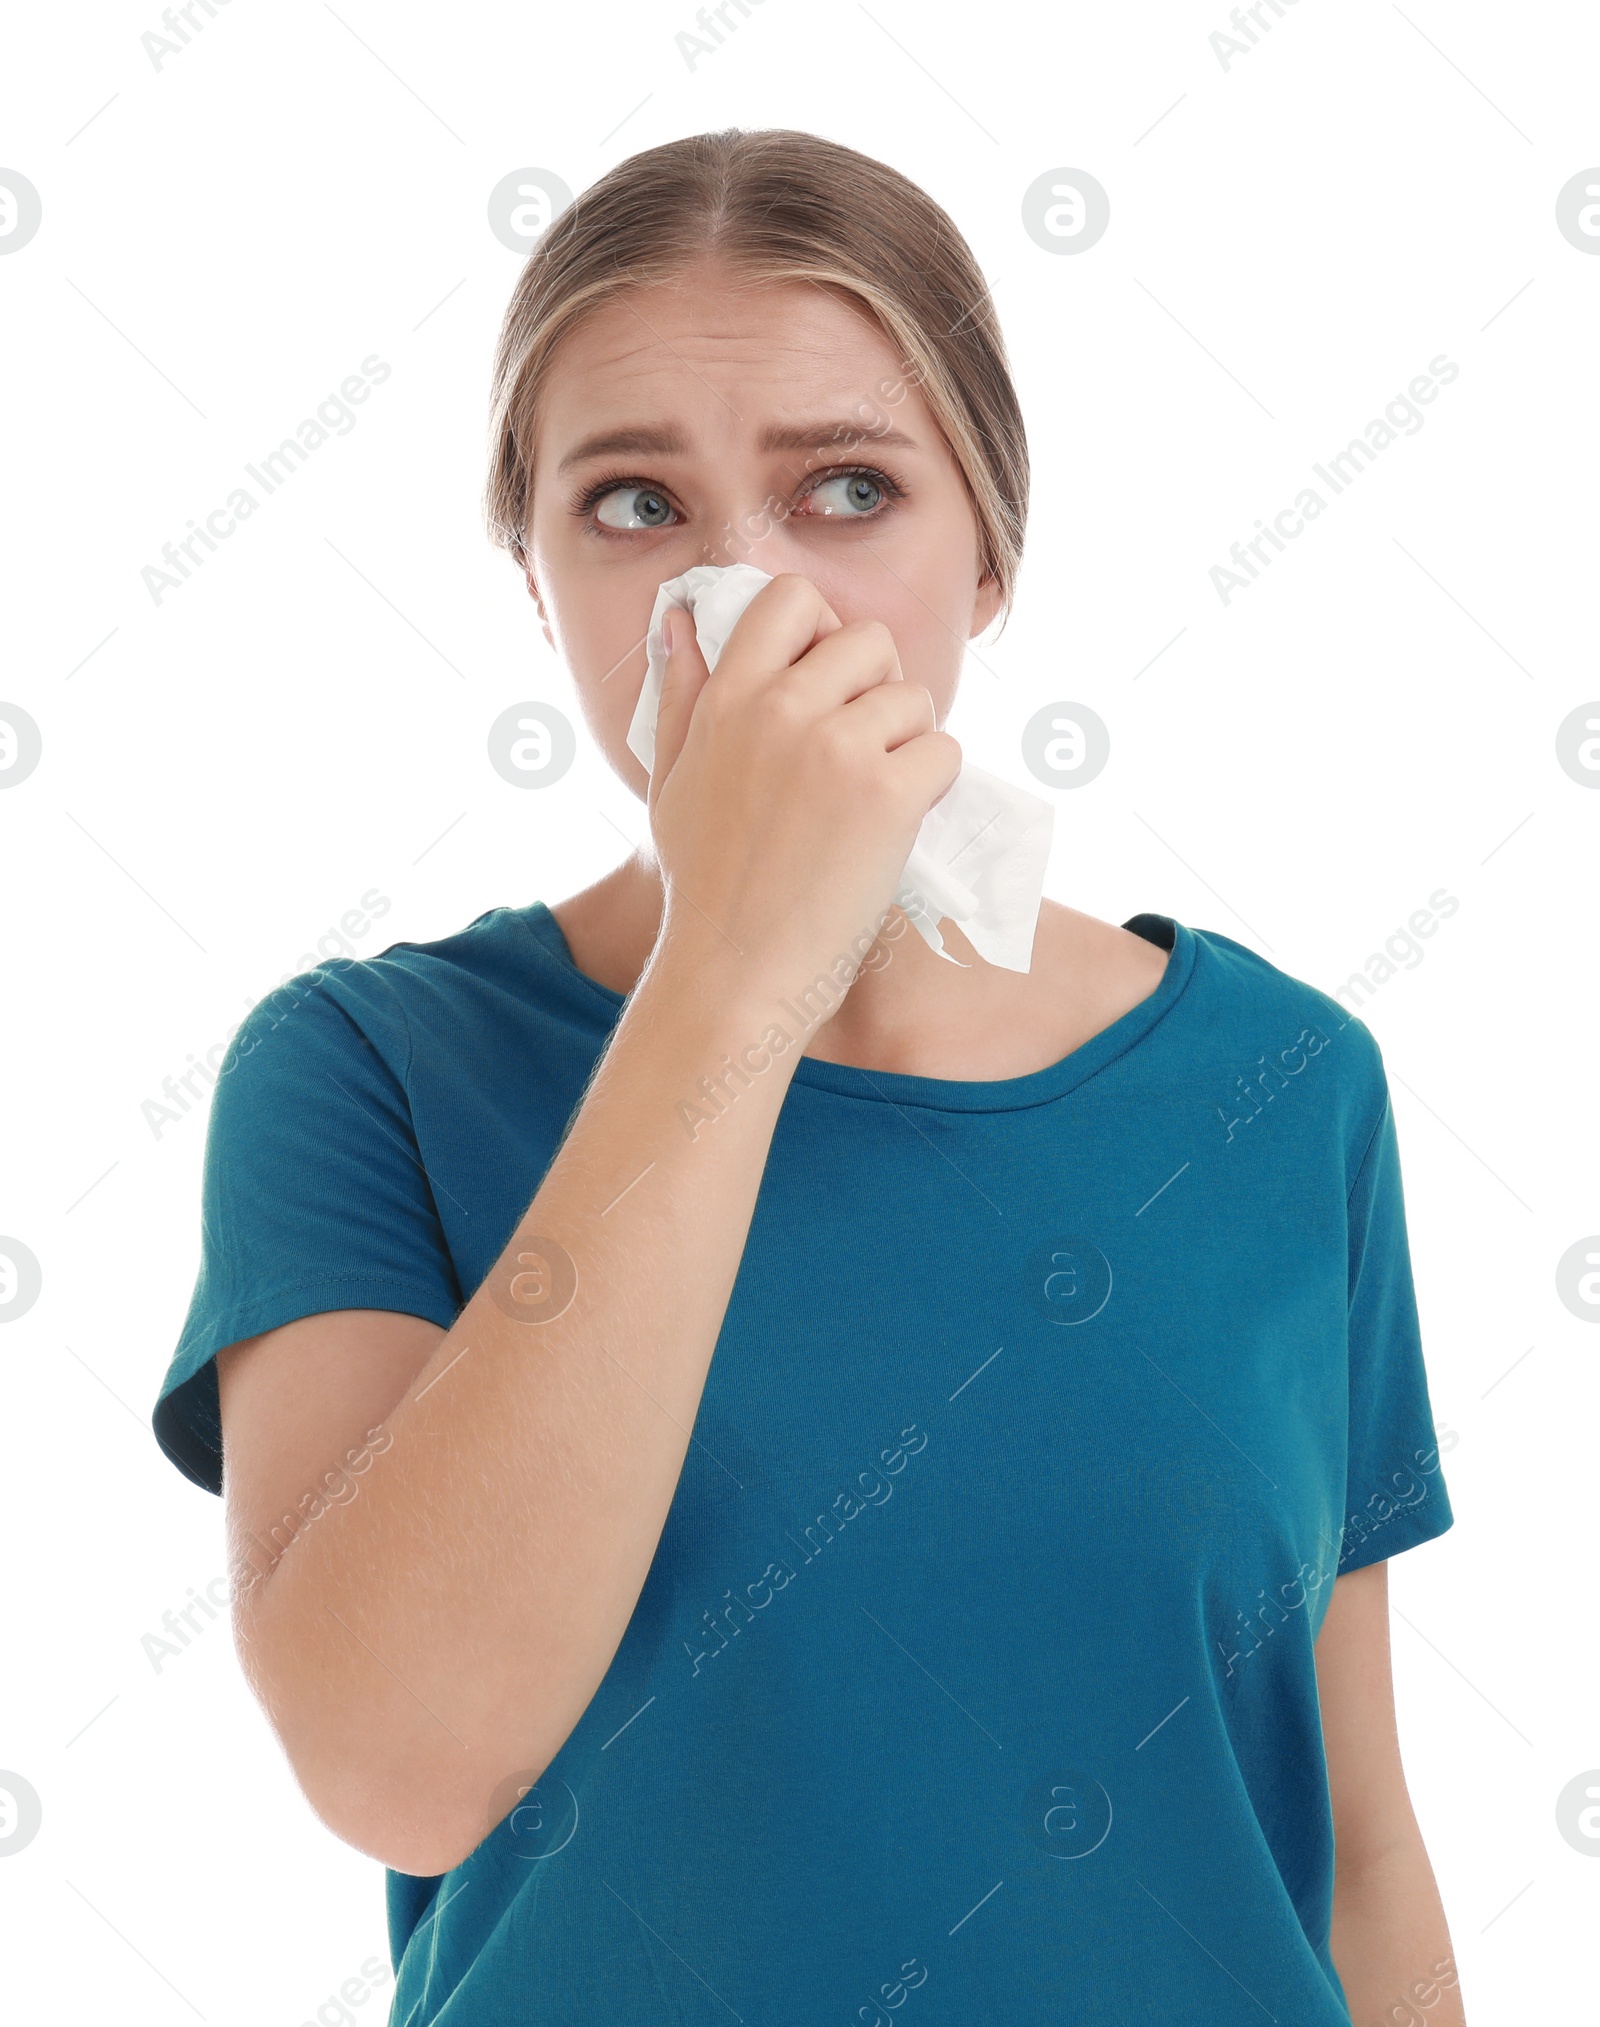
789,787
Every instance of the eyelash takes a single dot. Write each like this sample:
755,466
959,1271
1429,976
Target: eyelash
611,482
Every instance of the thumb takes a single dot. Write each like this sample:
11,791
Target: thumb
683,676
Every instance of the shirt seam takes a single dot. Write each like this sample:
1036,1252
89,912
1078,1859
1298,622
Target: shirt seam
603,993
228,1318
592,986
247,1305
1131,1042
1372,1141
405,1026
1418,1526
317,1280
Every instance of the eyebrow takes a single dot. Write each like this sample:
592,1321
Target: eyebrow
777,436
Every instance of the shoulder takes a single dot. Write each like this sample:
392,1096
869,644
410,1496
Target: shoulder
1298,1022
1256,989
1256,1023
364,1008
1260,986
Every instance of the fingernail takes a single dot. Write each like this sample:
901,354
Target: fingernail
669,629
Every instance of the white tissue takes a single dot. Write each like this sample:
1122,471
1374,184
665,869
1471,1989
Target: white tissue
981,854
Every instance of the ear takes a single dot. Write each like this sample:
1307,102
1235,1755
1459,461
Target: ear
544,617
985,606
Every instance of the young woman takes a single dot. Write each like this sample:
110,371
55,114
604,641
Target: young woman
793,1519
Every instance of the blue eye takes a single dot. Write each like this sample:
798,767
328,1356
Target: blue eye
848,494
632,507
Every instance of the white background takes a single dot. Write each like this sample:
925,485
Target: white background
1292,240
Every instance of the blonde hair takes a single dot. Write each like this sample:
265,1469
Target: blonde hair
774,205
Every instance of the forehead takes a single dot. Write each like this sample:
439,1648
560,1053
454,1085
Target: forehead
727,356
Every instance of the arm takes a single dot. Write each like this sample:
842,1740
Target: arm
1390,1942
443,1628
429,1638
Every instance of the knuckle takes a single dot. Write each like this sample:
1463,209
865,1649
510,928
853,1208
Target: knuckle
873,634
882,788
784,701
836,739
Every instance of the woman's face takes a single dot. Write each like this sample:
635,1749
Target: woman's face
695,422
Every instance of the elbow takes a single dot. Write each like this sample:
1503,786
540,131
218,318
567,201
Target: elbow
411,1795
422,1816
424,1850
404,1821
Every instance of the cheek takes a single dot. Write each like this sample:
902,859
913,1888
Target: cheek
931,644
608,699
604,653
921,582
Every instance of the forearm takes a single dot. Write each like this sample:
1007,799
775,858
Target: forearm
1391,1943
446,1629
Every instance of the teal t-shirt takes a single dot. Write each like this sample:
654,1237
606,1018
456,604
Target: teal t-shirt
972,1680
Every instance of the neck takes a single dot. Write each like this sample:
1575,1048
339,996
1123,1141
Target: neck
904,997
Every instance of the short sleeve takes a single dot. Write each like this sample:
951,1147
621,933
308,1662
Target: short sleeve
313,1194
1395,1495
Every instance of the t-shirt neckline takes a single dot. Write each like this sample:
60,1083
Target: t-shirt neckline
945,1094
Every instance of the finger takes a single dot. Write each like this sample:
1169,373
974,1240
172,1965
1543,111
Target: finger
683,677
928,765
889,714
784,621
852,660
